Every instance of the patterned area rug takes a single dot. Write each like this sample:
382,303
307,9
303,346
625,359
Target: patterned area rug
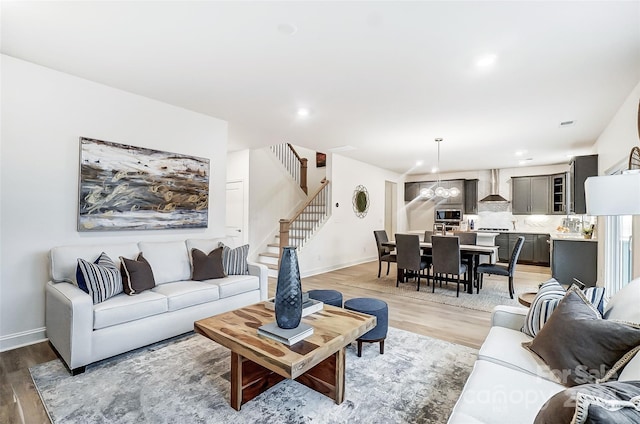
186,380
494,290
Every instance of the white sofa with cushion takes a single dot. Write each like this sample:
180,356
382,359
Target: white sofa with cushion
509,384
83,333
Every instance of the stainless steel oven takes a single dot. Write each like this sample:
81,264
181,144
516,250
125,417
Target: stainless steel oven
452,216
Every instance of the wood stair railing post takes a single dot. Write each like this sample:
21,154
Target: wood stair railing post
285,224
303,175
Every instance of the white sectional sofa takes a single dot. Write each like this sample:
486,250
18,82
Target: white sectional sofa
83,333
509,384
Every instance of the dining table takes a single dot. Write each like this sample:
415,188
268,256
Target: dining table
471,251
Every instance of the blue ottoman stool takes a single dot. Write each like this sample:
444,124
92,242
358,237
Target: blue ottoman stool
328,297
380,310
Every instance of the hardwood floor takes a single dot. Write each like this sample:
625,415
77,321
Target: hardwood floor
20,402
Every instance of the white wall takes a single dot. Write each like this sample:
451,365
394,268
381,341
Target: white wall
273,195
346,239
44,112
614,145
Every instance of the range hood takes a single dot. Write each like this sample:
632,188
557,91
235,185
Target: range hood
494,197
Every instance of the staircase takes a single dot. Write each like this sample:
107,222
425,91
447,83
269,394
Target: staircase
298,229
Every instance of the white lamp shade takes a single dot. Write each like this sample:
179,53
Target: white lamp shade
613,194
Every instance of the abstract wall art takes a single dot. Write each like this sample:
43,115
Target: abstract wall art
124,187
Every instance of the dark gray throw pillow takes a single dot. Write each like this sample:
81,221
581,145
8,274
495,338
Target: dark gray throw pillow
593,403
581,347
207,267
137,275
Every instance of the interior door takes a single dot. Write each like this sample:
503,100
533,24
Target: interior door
235,221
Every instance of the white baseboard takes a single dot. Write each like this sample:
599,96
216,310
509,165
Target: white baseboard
321,270
24,338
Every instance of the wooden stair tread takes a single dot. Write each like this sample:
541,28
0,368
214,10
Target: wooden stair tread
269,254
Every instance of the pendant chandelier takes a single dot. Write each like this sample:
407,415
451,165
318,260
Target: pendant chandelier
440,190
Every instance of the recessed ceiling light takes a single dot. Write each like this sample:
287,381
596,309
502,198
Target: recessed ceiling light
419,162
287,29
434,170
525,161
486,61
303,112
521,152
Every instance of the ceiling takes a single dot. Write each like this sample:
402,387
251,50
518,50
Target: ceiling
385,78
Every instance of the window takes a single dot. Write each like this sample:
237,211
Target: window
618,260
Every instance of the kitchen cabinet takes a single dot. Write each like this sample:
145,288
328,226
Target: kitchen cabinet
471,197
575,259
542,249
558,194
530,195
412,190
535,249
502,241
582,167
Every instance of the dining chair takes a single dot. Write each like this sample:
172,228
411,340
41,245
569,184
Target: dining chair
427,236
410,257
504,270
384,252
445,251
467,237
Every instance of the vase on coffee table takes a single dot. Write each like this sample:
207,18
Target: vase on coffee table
288,301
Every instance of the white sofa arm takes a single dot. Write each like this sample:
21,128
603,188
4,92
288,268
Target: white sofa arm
262,272
512,317
69,321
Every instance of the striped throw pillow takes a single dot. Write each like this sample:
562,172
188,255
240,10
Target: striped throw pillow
595,295
549,296
101,279
234,261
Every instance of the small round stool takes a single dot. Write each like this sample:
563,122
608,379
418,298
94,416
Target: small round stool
380,310
328,297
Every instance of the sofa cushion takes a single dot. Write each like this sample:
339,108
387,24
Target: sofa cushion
631,370
207,266
498,395
593,403
137,275
503,346
623,305
169,260
207,245
235,260
100,279
123,308
64,259
581,346
235,284
182,294
549,295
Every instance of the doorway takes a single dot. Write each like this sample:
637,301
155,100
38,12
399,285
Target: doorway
390,207
235,212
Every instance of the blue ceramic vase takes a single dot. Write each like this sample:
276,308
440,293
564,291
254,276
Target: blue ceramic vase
288,302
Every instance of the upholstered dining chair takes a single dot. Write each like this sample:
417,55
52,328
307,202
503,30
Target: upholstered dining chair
384,252
427,236
467,237
410,257
445,251
507,270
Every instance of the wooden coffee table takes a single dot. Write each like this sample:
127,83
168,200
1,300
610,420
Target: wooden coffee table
258,362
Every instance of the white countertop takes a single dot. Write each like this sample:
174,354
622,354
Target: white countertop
570,237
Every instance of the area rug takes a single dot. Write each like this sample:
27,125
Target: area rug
494,290
186,380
